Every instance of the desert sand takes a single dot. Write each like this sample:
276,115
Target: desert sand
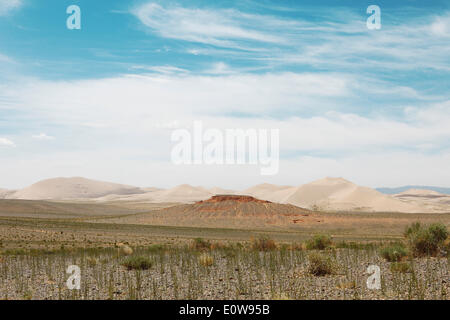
5,193
71,188
328,194
433,201
335,194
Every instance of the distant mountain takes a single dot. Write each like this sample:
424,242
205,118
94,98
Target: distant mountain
405,188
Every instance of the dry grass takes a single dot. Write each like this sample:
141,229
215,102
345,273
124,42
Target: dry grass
263,243
206,260
235,271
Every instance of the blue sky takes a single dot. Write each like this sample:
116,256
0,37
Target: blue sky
372,106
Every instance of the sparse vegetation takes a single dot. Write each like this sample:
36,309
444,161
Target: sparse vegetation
401,267
319,242
263,243
124,249
230,271
137,263
206,260
36,254
394,252
320,264
426,240
92,261
201,244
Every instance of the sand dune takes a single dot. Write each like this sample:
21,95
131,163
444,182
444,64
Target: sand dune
217,190
420,192
4,193
333,194
71,188
433,201
183,193
270,192
329,194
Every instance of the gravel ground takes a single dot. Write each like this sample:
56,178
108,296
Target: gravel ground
234,274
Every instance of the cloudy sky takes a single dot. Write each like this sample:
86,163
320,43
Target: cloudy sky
372,106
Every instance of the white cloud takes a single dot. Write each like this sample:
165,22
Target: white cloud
338,39
133,116
6,142
42,136
311,108
162,69
215,27
220,68
6,6
441,26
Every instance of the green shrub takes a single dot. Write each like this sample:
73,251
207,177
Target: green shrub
263,243
319,242
320,265
426,240
394,252
137,263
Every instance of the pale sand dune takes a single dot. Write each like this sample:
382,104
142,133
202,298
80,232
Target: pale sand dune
432,200
340,194
4,193
71,188
183,193
420,192
269,192
217,190
329,194
332,194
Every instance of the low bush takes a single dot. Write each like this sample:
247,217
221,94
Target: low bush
320,265
394,252
137,263
200,244
263,243
319,242
426,240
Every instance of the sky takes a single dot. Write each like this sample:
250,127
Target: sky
372,106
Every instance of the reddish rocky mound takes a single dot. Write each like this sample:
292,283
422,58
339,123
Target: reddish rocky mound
231,197
229,211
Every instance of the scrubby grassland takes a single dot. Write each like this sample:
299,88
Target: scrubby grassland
326,259
259,269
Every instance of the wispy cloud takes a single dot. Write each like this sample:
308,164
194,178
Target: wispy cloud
161,69
223,27
6,142
316,112
42,136
6,6
339,39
